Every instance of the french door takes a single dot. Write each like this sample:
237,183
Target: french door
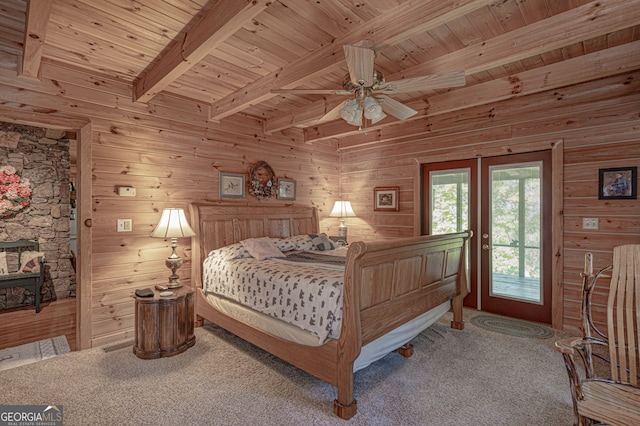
506,202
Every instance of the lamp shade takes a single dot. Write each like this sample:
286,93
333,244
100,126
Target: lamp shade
173,224
342,209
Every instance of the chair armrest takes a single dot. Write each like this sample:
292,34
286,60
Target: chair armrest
568,345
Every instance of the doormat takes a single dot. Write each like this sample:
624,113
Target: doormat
512,327
33,352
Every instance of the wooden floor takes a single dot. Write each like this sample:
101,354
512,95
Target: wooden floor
23,325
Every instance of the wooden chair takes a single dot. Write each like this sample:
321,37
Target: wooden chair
615,399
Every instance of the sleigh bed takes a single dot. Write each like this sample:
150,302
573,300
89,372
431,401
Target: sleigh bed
390,292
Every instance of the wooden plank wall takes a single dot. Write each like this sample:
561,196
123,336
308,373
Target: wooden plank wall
598,123
172,156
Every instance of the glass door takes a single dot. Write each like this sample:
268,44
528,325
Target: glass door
451,206
516,278
505,201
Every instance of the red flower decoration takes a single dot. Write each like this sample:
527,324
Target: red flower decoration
14,192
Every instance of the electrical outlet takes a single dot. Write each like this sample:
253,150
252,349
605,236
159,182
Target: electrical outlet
125,225
126,191
590,223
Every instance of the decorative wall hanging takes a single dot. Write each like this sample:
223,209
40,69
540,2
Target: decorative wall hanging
385,198
232,185
286,189
262,181
618,183
15,192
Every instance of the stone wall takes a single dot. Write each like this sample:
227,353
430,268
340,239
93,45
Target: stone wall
45,162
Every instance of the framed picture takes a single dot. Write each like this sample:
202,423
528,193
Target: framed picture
232,185
385,198
286,189
262,181
619,183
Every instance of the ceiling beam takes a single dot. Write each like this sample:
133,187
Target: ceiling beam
400,23
215,27
615,60
35,33
582,23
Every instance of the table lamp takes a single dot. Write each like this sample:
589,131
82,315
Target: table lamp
173,224
342,209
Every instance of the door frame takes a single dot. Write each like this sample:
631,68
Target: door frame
557,197
82,127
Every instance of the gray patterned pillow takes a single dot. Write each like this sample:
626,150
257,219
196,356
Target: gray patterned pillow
321,242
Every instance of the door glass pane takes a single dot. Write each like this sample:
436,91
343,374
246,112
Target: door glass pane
516,231
449,201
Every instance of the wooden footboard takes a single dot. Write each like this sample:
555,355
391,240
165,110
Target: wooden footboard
387,283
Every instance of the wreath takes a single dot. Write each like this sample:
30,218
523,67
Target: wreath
14,191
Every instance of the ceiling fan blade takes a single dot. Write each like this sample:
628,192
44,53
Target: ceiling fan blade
313,91
332,114
360,64
392,107
424,83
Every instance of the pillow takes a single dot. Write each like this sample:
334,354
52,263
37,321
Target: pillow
31,261
262,248
4,270
284,244
230,252
301,242
322,242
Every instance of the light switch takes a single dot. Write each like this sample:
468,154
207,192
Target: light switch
125,225
590,223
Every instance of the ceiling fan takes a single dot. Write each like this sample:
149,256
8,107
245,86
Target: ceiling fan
369,89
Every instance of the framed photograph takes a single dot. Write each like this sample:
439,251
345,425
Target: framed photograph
385,198
286,189
619,183
232,185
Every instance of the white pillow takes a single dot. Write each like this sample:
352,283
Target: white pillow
301,242
30,261
262,248
284,244
230,252
4,270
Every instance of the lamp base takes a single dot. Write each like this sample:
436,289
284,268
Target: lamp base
173,284
342,229
173,262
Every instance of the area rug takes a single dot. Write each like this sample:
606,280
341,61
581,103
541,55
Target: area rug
33,352
512,327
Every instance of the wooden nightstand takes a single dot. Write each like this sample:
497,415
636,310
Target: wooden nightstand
164,325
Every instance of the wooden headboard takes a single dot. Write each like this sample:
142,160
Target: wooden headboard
218,226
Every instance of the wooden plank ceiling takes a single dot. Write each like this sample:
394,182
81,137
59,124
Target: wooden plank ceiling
230,54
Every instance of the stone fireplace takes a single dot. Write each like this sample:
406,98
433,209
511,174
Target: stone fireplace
41,156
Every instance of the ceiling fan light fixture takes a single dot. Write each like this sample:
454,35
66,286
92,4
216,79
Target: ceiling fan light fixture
350,109
378,118
356,120
372,110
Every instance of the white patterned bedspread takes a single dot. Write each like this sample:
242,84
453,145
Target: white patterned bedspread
308,295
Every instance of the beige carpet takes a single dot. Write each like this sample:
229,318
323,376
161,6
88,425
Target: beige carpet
468,377
33,352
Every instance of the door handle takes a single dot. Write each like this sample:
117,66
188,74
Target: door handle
485,247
